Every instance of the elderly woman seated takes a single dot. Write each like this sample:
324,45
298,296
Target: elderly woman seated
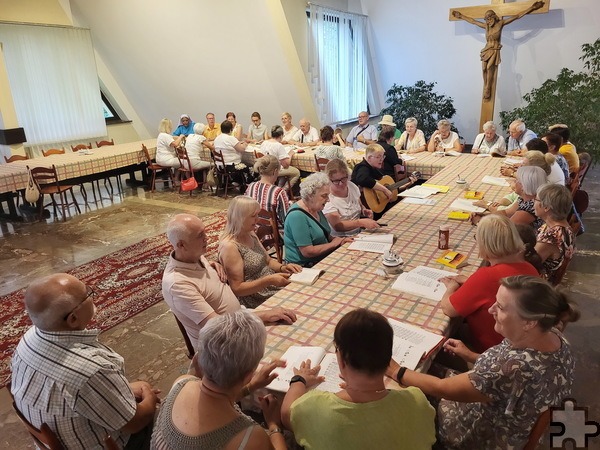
555,239
444,139
193,145
537,154
470,297
364,414
166,144
528,180
232,151
306,234
496,404
265,191
327,149
489,142
412,140
252,274
200,411
344,211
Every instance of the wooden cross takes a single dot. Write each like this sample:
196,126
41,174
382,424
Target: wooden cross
491,51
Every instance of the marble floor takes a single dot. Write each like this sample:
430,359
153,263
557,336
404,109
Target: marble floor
151,342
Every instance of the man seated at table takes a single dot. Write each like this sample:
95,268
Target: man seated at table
367,173
64,377
212,129
306,136
362,134
519,135
196,289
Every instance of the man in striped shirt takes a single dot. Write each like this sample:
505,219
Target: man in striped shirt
64,377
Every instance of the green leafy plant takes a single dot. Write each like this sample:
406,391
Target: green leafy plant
572,98
419,101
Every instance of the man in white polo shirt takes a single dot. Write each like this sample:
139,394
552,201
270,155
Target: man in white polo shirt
306,136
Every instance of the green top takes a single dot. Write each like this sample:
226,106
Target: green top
300,230
403,419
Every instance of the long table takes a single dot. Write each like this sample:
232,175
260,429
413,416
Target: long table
350,280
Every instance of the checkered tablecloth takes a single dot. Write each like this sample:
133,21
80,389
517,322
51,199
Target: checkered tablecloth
350,280
13,176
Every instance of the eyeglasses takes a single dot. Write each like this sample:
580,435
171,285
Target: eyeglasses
340,181
363,116
89,292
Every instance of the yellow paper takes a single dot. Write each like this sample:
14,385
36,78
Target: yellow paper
442,189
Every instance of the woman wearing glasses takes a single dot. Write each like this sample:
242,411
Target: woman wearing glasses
344,211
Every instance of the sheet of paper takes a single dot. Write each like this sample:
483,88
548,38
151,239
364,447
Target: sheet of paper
411,343
462,204
438,187
419,201
418,192
423,282
514,161
307,276
373,247
406,157
383,238
453,153
331,371
483,155
293,357
495,181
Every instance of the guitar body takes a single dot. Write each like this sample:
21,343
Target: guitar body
376,200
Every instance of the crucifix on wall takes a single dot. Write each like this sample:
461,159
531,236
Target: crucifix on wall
493,22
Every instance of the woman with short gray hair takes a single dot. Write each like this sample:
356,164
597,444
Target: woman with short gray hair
200,410
444,139
306,234
412,140
489,142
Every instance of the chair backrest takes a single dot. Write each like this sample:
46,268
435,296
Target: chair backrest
585,160
540,426
268,233
217,157
44,437
146,154
321,163
44,175
188,343
184,159
103,143
78,147
53,151
14,158
258,155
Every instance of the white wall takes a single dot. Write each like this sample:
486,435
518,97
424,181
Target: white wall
416,41
192,57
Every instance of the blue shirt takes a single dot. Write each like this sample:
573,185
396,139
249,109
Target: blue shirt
184,130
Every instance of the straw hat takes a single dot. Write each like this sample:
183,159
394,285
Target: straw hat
387,120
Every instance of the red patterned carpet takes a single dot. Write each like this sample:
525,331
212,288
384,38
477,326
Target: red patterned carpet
126,282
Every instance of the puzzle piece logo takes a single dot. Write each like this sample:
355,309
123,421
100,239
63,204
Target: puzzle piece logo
573,426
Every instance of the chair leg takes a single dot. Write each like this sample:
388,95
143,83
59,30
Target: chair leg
74,201
153,182
40,207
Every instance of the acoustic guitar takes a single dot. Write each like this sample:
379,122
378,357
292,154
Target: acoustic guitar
377,201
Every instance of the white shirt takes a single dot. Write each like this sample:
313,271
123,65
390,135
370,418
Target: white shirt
349,208
367,131
497,146
311,136
225,143
274,148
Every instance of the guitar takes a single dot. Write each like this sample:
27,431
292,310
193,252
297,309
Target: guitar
377,201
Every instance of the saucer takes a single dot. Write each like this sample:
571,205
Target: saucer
397,262
461,181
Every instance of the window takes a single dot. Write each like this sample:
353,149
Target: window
337,52
110,113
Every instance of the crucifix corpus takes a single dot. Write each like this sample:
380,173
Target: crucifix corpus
493,22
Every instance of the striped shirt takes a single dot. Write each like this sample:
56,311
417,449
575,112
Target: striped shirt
73,383
270,196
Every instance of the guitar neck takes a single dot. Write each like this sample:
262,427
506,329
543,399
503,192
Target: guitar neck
398,184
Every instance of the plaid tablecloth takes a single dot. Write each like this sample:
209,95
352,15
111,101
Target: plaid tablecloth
13,176
350,280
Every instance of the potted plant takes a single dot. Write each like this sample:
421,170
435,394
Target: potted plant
419,101
572,98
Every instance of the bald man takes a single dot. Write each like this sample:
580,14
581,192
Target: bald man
64,377
306,136
194,288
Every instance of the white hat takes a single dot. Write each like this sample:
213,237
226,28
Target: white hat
199,128
387,120
184,116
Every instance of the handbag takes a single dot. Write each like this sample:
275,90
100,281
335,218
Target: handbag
210,178
189,185
32,193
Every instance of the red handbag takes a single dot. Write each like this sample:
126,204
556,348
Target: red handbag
189,185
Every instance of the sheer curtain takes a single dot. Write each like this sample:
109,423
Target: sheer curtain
337,57
54,83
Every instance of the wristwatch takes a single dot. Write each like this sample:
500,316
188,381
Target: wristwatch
297,378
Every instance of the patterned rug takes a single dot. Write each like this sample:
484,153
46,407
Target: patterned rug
126,282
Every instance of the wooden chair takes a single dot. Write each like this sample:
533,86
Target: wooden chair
78,147
268,233
155,168
585,161
540,426
47,182
258,155
187,170
399,172
43,437
104,143
321,163
53,151
224,174
191,351
14,158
